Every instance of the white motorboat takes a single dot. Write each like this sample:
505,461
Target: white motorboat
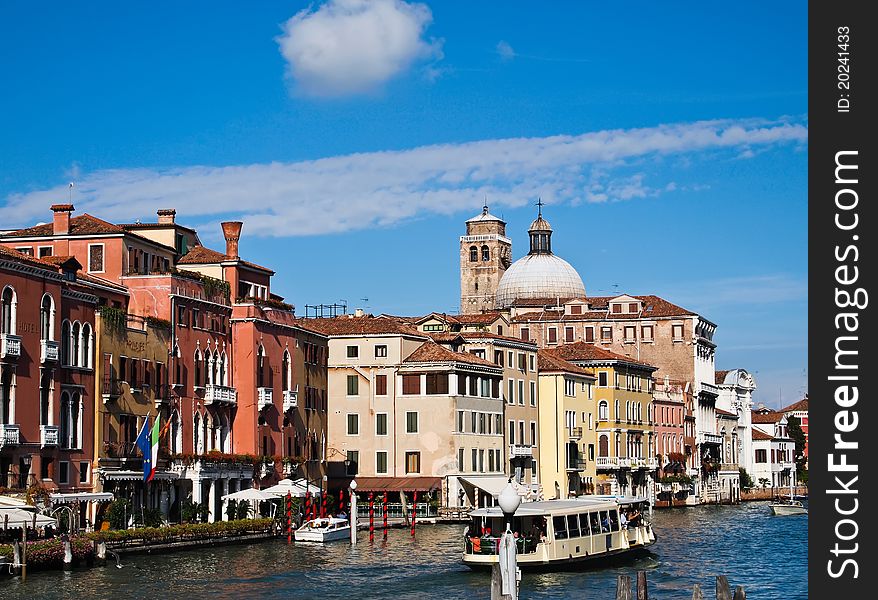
562,534
787,506
326,529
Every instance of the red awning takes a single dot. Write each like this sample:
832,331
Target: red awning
391,484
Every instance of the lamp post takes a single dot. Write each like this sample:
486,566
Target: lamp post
505,573
353,519
26,460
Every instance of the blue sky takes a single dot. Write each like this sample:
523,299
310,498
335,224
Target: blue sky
670,141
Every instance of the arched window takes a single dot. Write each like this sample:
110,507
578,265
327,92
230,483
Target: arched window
603,446
65,342
603,411
486,253
208,361
473,254
64,424
176,441
260,363
6,396
45,398
47,318
197,364
617,410
7,310
222,370
225,440
285,371
75,332
86,346
196,435
75,416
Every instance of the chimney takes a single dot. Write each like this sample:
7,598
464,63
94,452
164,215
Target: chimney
166,216
232,232
359,312
61,219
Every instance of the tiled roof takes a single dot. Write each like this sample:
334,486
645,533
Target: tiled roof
758,434
432,352
445,337
720,376
477,319
801,405
84,224
439,317
24,258
61,260
725,413
548,362
200,255
130,226
366,325
541,302
659,306
468,335
768,417
653,307
582,351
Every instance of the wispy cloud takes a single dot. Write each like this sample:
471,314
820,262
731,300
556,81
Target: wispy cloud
347,47
738,291
504,50
379,189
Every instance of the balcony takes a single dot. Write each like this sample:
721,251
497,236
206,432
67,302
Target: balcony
520,451
219,394
575,464
48,351
705,437
291,399
625,462
162,394
48,435
264,397
574,433
606,463
8,435
110,389
10,346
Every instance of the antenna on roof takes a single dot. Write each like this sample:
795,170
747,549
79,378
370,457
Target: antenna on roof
70,193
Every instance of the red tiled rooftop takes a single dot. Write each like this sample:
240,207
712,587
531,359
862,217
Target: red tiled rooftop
24,258
432,352
582,351
84,224
473,335
766,417
758,434
201,255
653,306
549,362
801,405
477,319
725,413
366,325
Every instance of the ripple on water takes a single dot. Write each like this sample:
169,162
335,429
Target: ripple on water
767,554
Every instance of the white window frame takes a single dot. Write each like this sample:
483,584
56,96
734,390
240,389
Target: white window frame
103,259
386,425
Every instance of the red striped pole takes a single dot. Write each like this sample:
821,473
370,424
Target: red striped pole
341,501
414,510
371,518
385,515
307,512
323,507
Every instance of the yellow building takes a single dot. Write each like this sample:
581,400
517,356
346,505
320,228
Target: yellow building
567,433
625,427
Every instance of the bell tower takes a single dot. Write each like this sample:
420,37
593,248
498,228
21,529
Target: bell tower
485,254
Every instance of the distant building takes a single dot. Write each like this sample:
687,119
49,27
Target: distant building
800,411
773,450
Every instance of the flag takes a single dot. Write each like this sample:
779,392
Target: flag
143,443
155,448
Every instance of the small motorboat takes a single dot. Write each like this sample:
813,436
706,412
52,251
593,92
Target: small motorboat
787,506
324,529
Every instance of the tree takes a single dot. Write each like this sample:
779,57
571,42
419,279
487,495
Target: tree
746,480
794,429
763,481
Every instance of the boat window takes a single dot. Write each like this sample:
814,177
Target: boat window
595,522
614,520
573,525
605,521
560,526
583,525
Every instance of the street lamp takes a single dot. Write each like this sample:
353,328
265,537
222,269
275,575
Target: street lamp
509,501
26,462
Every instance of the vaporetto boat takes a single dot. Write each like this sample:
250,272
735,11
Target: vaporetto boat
562,534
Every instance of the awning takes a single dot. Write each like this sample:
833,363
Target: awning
81,497
13,518
393,484
492,484
115,475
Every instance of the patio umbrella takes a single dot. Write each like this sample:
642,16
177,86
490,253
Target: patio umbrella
297,488
13,518
251,495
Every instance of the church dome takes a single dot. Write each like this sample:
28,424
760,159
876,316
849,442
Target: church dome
540,274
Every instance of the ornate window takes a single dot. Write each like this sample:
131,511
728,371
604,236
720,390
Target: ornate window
473,254
47,318
7,310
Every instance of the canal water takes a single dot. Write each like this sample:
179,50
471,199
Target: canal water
766,554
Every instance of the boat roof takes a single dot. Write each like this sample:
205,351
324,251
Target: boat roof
549,507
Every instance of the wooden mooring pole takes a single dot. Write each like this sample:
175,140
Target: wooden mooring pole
624,590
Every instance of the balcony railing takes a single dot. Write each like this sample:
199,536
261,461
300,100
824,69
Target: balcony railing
291,399
520,450
574,433
8,435
48,351
48,435
705,437
10,345
110,388
624,462
264,396
575,464
607,462
214,394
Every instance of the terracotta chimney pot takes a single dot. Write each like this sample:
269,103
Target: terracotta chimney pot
61,218
232,232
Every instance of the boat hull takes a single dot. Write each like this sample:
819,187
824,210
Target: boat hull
577,563
323,536
782,510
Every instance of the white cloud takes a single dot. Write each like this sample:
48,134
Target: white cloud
349,47
505,50
379,189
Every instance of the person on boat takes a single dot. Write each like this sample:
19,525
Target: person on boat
634,518
623,520
605,525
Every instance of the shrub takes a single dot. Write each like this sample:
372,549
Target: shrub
118,513
243,509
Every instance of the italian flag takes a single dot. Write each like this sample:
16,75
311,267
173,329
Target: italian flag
154,439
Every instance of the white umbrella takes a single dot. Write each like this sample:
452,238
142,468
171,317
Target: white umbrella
13,518
297,488
249,494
